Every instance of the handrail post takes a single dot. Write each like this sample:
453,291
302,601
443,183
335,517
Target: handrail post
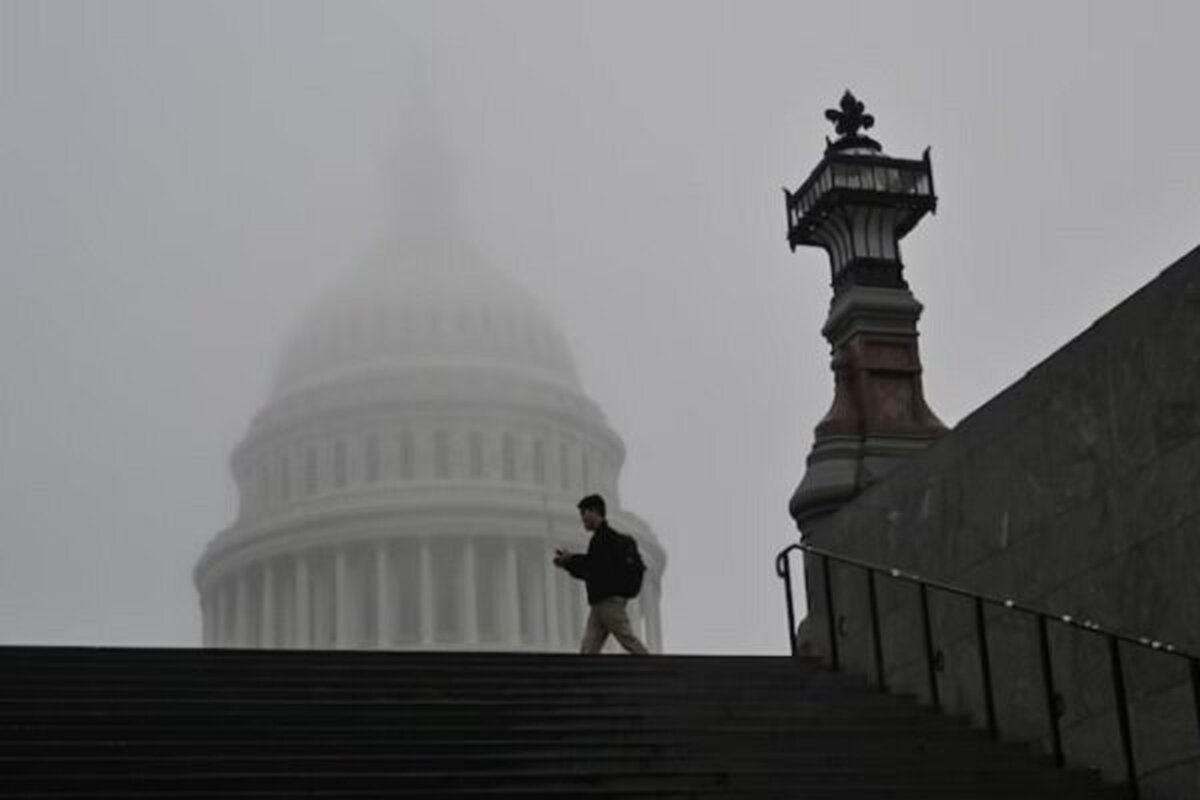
1051,694
985,669
934,698
1194,670
876,639
784,566
829,617
1121,702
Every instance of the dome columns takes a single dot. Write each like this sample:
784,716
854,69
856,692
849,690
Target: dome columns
385,619
352,598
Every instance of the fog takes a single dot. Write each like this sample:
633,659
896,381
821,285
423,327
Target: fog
179,181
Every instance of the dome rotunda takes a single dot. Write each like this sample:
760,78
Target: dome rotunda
417,462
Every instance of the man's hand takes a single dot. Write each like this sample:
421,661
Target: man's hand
560,556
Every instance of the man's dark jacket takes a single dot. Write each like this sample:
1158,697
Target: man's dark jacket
600,567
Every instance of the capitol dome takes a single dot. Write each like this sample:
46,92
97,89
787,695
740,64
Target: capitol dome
416,464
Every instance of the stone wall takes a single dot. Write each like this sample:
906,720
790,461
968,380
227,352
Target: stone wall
1077,491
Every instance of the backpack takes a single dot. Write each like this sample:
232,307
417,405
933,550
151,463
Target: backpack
630,569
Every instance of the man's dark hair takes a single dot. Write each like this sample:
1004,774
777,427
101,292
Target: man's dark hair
593,502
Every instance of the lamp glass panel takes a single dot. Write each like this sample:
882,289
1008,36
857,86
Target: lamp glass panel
839,175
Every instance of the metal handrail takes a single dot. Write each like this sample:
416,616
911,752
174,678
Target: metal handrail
924,585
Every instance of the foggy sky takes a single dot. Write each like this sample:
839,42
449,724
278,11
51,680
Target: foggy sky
179,181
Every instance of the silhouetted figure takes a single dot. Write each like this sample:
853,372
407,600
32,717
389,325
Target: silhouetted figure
612,570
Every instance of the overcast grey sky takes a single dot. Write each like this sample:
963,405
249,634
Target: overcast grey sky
178,181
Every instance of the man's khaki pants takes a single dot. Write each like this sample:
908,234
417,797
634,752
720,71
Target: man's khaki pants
608,616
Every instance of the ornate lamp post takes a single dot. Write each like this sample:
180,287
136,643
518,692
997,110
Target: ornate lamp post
857,205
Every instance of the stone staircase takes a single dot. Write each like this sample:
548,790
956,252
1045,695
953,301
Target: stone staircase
229,724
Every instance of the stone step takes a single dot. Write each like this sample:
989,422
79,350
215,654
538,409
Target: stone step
104,659
101,653
36,757
215,778
304,776
528,682
550,697
450,708
560,786
976,764
734,736
863,791
396,680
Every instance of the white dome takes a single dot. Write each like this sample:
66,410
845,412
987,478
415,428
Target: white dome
416,464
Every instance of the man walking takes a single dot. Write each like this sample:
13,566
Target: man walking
602,568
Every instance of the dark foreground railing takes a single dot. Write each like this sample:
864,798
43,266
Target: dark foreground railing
1114,640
